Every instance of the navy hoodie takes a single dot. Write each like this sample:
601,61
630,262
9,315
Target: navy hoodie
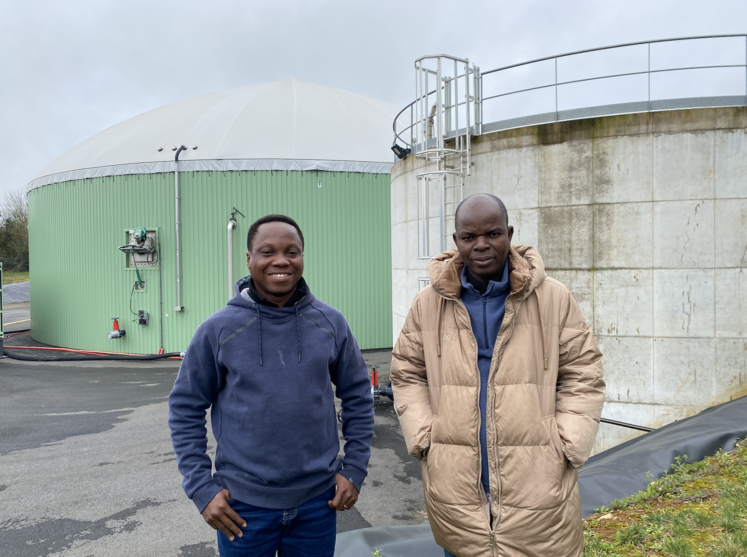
267,374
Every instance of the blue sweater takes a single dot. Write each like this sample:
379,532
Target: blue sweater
266,374
486,316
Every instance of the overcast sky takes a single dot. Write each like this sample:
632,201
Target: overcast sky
71,69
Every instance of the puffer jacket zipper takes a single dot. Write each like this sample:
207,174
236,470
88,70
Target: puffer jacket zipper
479,384
510,298
483,497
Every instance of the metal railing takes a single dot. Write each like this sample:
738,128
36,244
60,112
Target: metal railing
560,97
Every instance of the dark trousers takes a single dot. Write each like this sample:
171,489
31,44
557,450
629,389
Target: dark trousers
306,531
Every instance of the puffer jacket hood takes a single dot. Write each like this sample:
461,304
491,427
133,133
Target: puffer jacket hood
527,272
545,394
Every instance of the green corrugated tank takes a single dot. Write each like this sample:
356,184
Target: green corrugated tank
317,154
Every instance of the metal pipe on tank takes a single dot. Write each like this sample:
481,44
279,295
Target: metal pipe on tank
179,306
231,226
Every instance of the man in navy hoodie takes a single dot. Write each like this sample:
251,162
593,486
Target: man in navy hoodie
265,366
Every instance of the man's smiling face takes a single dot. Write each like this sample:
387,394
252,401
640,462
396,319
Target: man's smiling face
276,261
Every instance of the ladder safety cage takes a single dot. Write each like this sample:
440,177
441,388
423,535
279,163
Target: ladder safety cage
444,116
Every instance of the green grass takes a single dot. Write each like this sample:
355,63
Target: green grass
697,509
11,278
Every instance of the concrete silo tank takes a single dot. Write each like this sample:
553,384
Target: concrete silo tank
642,215
317,154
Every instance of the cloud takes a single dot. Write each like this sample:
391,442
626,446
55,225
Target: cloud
69,70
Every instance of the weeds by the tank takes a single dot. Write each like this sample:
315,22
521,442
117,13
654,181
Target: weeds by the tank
696,509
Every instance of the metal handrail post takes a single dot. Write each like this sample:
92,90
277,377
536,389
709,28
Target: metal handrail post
414,106
478,101
448,83
456,97
468,133
557,117
649,77
426,224
419,112
441,156
482,96
439,108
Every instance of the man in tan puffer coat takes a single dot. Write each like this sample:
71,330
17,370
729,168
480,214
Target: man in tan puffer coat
543,397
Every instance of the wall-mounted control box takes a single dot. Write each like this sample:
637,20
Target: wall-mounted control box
144,251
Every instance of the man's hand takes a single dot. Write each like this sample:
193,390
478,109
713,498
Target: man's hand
221,516
346,495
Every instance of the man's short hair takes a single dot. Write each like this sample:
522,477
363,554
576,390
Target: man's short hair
491,197
271,218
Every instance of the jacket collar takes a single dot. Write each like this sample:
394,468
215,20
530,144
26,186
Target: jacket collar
492,289
526,271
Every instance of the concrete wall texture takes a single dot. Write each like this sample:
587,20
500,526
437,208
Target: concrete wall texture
644,218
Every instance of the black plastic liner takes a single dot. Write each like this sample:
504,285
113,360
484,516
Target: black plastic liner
613,474
621,470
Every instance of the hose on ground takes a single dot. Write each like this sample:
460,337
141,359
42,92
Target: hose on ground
85,355
82,358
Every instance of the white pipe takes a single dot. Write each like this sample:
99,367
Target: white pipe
231,226
179,306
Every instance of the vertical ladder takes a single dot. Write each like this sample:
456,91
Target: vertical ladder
445,117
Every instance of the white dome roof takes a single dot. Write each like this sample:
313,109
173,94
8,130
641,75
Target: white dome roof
288,124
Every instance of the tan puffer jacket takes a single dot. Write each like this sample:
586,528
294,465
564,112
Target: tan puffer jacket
544,401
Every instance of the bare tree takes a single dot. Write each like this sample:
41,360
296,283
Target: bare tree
14,231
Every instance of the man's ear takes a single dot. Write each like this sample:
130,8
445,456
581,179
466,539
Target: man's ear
248,257
510,233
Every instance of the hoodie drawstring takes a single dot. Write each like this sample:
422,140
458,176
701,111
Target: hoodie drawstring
298,334
259,318
441,304
542,328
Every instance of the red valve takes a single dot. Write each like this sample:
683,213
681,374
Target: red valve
116,332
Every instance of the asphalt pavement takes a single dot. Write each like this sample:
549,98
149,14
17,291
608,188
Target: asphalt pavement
16,317
87,467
